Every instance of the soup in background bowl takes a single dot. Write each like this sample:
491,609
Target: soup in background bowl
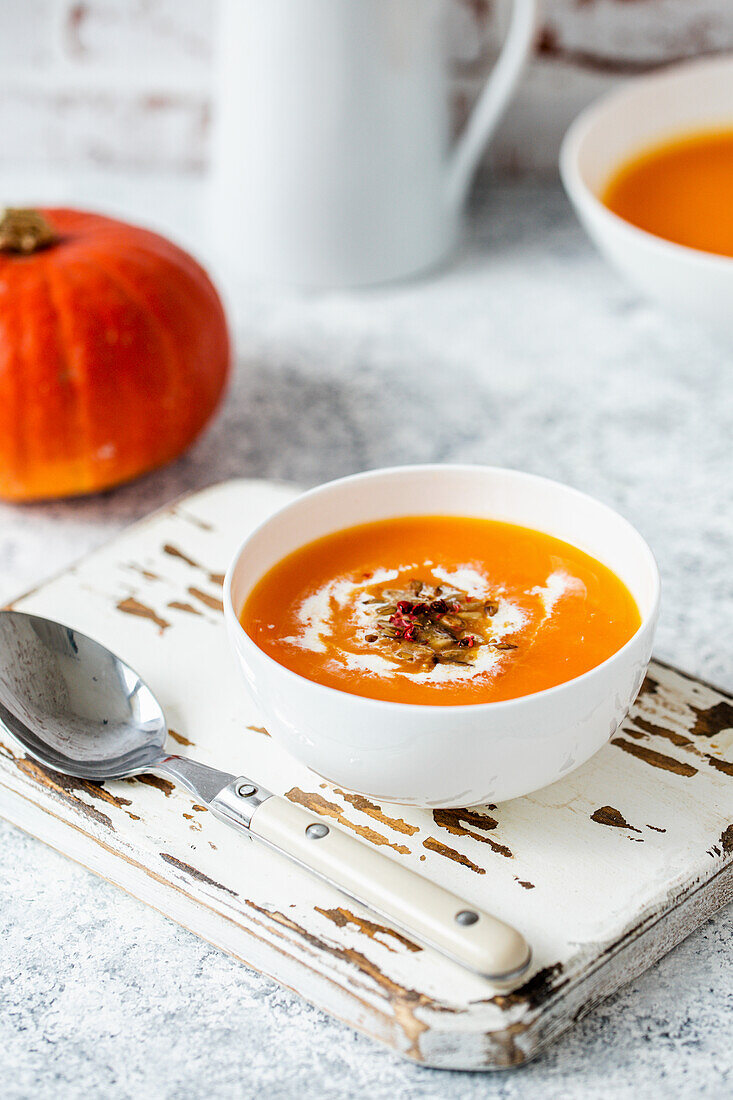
679,190
511,676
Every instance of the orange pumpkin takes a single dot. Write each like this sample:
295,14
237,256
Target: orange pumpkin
114,352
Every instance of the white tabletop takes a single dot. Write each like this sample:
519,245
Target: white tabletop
526,352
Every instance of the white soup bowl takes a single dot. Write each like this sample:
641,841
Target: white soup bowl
445,755
646,112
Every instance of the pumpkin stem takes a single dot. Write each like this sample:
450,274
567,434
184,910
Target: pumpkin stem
24,231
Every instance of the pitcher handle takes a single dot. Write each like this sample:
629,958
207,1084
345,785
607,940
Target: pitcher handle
492,100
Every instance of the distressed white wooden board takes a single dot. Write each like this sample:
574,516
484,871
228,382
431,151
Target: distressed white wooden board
604,872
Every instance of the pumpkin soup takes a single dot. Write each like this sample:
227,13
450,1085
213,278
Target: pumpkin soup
439,610
680,191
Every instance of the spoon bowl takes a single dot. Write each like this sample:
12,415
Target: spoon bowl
74,705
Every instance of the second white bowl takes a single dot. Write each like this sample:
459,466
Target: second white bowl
446,755
649,111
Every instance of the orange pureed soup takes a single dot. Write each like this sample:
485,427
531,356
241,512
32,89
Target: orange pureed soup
440,610
682,191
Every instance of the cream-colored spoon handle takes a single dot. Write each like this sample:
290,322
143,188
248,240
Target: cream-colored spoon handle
423,910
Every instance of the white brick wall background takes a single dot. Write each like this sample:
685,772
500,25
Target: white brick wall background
127,82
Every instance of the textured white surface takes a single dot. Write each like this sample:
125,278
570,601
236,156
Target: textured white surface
530,352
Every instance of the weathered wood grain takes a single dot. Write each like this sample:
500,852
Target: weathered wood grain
604,871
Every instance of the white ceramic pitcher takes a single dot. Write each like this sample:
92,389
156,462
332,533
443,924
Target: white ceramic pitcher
332,162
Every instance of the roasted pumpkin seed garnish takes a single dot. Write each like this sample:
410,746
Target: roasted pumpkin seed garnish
429,624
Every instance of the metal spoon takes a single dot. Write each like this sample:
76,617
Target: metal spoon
77,708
